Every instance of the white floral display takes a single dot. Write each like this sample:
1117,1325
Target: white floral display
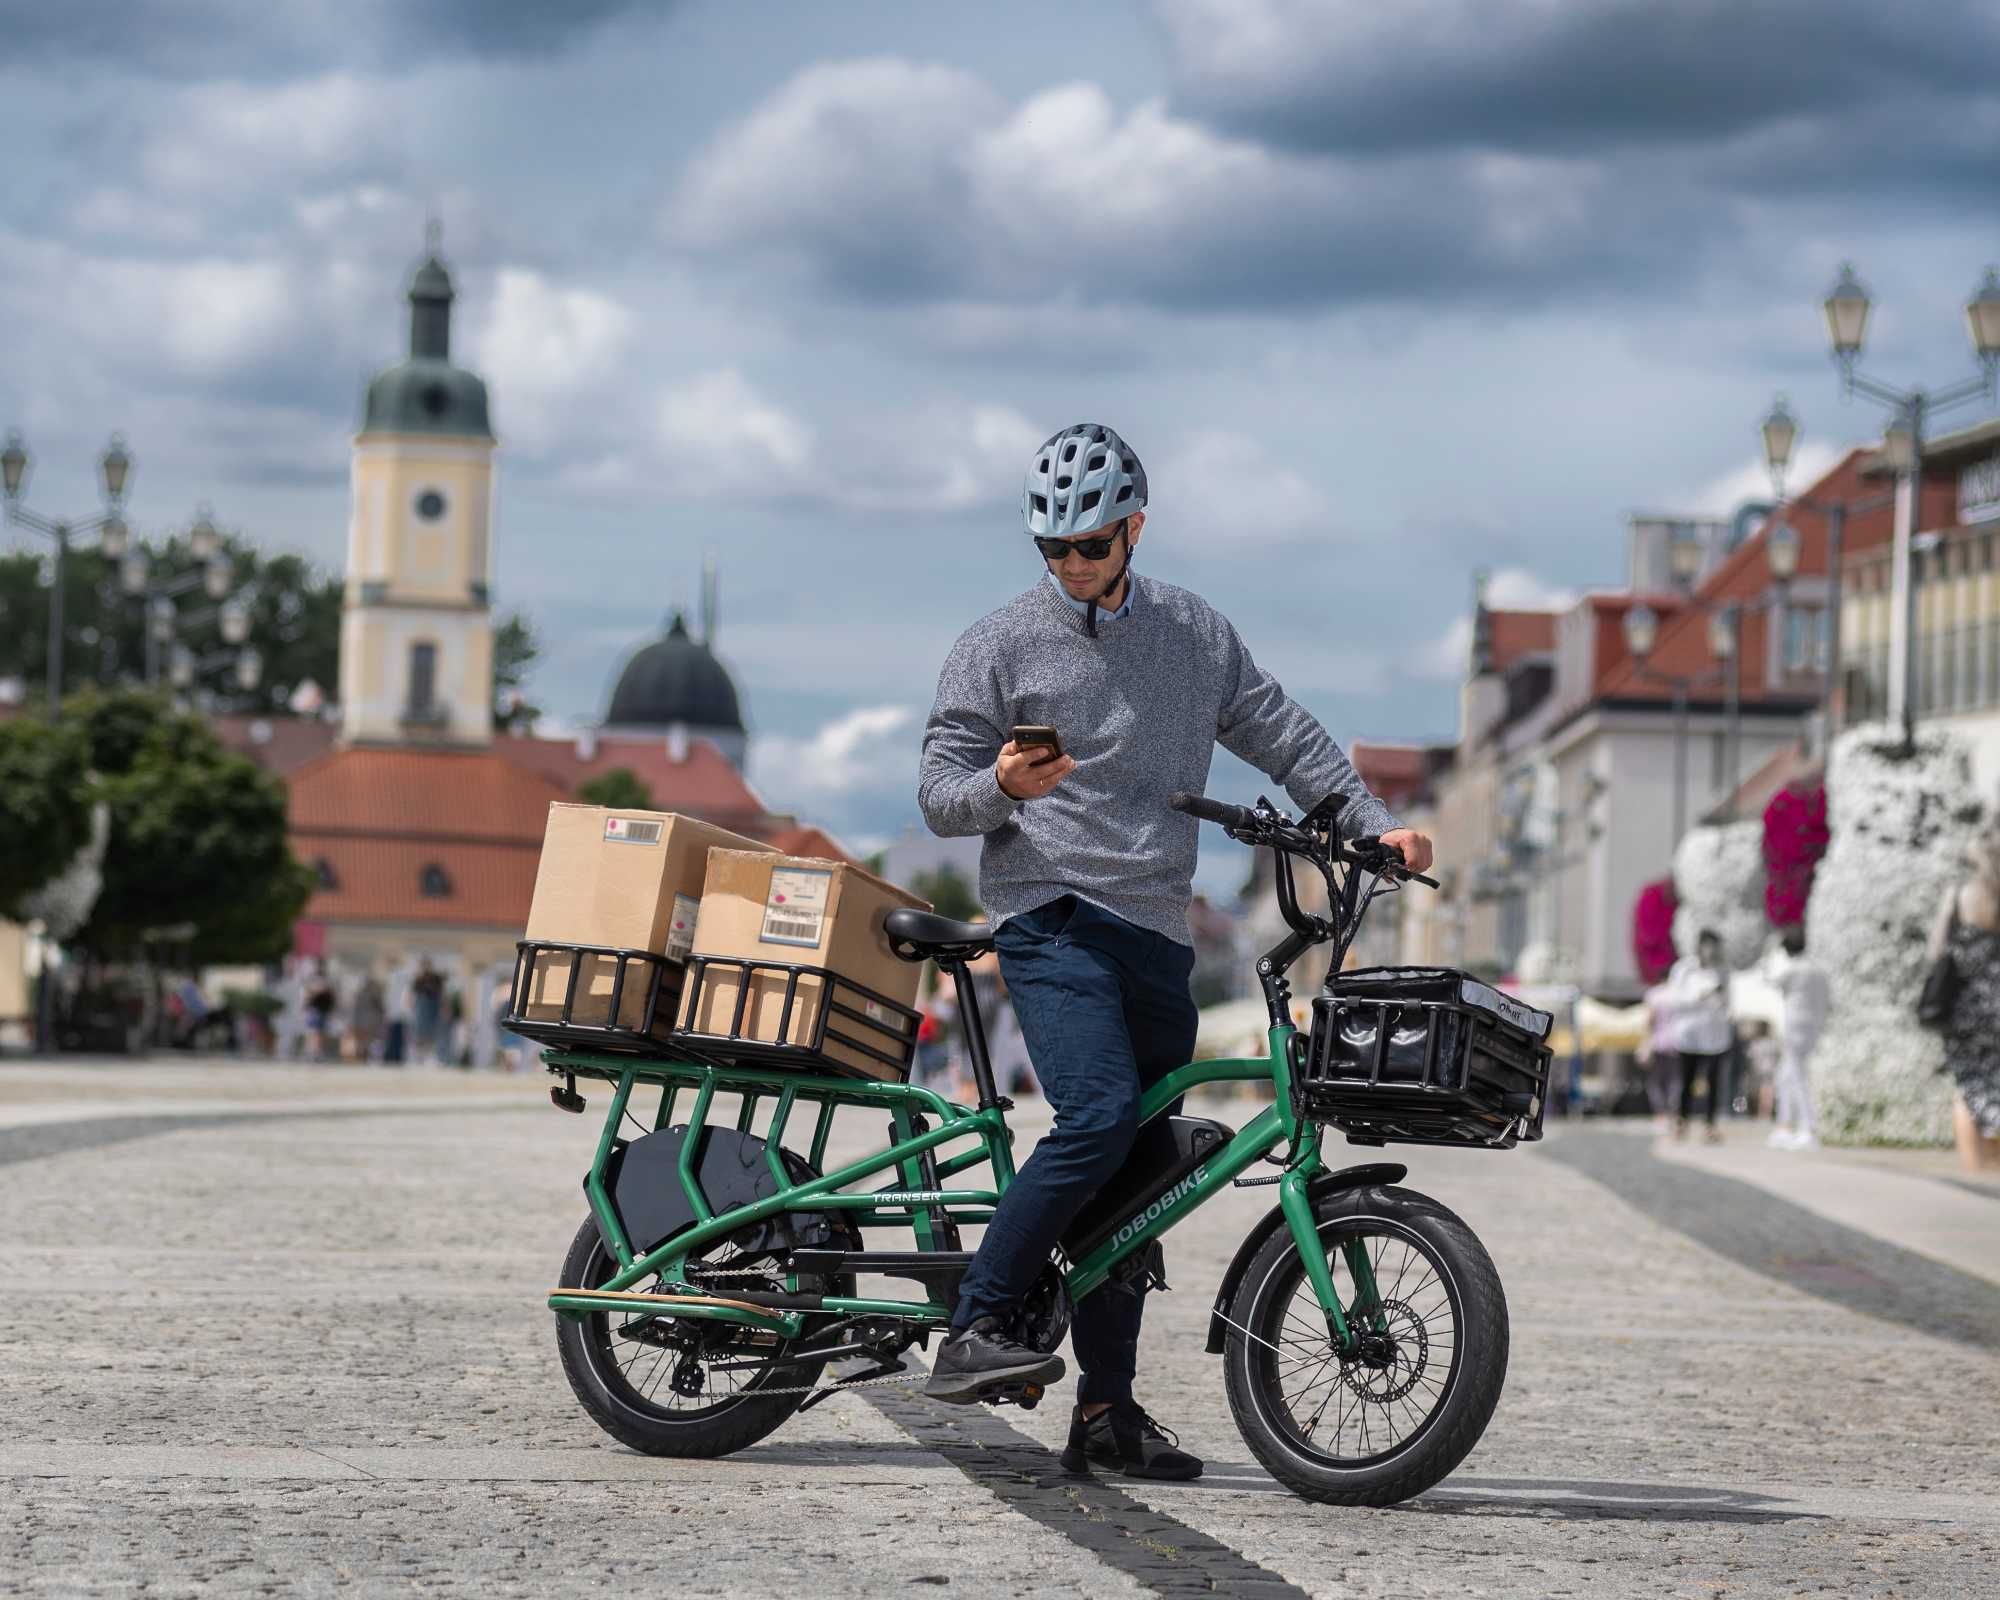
62,905
1719,883
1899,826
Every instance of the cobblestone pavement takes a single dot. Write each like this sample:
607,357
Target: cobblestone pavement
247,1353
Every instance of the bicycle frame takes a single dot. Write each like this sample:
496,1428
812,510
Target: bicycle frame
907,1201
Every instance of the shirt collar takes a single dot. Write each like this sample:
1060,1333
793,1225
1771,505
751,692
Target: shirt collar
1083,606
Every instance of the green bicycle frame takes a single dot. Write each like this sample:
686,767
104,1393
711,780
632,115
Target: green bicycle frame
923,1125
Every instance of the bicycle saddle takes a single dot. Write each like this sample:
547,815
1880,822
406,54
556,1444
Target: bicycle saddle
920,935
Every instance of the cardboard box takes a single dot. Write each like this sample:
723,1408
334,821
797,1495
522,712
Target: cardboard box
628,879
825,914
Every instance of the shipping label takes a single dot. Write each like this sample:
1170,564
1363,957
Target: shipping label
795,913
631,830
680,928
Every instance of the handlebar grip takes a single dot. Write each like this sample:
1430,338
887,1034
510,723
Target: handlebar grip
1199,805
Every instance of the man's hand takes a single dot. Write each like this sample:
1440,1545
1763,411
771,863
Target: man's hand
1415,846
1031,773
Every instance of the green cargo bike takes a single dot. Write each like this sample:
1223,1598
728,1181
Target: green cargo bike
712,1292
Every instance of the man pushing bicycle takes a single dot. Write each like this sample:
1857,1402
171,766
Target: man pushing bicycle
1120,688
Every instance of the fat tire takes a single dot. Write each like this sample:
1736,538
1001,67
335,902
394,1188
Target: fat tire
735,1425
1458,1421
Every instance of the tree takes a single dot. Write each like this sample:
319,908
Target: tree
621,789
44,799
294,620
515,651
948,892
197,837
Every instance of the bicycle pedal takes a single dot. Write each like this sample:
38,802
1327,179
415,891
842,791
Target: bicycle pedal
1025,1395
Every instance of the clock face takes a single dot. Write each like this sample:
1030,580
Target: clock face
430,505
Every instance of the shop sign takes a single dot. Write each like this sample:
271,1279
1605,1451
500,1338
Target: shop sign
1979,491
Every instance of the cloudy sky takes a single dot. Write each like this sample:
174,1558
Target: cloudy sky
1381,293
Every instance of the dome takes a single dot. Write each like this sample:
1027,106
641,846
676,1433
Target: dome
675,681
423,395
426,393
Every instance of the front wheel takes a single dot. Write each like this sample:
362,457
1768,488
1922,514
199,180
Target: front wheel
1402,1408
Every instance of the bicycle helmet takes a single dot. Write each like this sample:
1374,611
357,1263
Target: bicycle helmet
1083,479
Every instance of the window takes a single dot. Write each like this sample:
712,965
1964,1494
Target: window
1805,639
324,875
423,677
434,883
430,505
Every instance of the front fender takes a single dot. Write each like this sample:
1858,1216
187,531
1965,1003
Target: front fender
1324,1186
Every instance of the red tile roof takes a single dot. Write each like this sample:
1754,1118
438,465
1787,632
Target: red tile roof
1515,634
381,879
438,794
1395,774
702,783
278,744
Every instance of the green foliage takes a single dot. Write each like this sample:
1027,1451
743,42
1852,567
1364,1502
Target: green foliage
197,836
45,800
621,789
948,892
515,651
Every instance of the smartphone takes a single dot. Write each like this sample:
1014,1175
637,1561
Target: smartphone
1039,738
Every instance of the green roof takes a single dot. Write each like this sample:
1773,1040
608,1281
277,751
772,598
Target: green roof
426,393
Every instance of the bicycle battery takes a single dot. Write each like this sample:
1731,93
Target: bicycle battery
1161,1158
644,1181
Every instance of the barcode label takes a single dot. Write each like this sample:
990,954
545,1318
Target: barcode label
680,931
795,911
631,830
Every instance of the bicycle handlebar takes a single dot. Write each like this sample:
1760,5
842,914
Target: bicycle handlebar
1199,805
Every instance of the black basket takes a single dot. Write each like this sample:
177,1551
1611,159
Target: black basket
550,1002
1424,1055
824,1023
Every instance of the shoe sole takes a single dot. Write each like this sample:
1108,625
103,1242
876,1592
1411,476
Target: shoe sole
1115,1464
964,1389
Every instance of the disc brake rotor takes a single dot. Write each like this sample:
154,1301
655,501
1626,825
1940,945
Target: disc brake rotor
1390,1361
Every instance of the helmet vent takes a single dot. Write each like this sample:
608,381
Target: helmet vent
1089,501
1063,483
1069,451
1042,466
1124,493
1040,503
1095,463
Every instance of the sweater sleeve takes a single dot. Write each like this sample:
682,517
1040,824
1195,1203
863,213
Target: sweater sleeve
958,789
1275,734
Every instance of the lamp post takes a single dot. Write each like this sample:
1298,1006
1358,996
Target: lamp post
214,576
114,470
1642,631
1846,308
1780,431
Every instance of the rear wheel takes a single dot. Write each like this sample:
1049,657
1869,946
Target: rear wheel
1393,1415
676,1386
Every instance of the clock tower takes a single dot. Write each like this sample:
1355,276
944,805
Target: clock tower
416,632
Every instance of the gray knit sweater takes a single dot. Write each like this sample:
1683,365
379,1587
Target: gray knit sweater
1141,707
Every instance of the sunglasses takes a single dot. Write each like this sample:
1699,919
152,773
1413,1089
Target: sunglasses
1090,549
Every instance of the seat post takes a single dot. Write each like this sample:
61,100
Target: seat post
975,1037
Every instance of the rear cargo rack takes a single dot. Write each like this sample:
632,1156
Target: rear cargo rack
836,1011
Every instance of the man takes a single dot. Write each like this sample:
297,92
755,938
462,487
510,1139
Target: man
1699,985
1087,873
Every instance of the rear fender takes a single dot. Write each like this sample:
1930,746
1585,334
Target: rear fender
1324,1187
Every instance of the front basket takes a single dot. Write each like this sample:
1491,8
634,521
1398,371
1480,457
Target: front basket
1424,1055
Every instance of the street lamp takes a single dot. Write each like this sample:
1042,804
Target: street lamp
214,575
1846,308
1642,632
115,468
1781,431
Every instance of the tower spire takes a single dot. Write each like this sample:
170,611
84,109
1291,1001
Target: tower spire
430,300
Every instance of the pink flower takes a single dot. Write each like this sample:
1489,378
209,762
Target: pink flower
1653,930
1795,837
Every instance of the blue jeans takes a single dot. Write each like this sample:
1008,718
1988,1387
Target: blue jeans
1105,1010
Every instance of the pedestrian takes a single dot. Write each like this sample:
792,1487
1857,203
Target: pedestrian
1128,684
1968,931
1699,990
367,1017
426,1012
320,1000
1808,997
1659,1054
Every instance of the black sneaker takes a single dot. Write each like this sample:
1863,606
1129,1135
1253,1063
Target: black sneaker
982,1356
1126,1438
